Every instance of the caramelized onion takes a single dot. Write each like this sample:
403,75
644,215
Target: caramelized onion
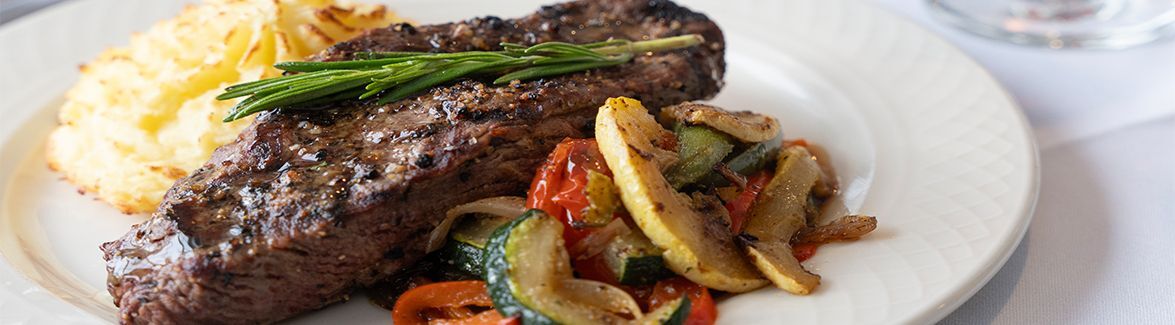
600,295
505,206
746,126
594,243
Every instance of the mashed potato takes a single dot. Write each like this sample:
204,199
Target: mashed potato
142,116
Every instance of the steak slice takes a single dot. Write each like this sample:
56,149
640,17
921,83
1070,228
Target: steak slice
306,206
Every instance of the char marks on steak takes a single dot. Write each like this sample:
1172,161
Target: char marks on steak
307,205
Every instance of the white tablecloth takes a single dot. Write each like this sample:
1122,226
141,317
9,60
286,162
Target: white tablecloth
1101,248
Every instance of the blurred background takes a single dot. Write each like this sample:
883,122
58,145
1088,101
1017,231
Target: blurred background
11,9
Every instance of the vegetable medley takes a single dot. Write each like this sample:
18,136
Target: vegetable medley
638,225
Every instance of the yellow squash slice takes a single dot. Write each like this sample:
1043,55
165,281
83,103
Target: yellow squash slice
746,126
697,246
777,215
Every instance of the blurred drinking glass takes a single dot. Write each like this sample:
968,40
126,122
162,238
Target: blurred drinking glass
1109,24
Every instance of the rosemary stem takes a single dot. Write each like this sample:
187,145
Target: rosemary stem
396,75
661,44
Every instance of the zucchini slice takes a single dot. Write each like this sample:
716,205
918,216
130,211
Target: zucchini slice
465,249
476,231
697,246
635,260
463,257
776,216
526,267
747,162
673,313
699,149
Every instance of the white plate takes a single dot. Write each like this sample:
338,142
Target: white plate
922,137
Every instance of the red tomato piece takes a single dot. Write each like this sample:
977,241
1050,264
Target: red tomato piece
547,182
558,187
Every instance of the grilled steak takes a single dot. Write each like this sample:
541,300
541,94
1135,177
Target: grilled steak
307,205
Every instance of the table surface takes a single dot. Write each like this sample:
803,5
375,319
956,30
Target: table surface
1101,248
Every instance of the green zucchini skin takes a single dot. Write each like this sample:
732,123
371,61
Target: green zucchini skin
643,270
699,148
674,313
464,250
680,314
635,260
463,257
497,269
749,161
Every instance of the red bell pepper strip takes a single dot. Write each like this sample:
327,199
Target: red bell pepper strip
455,296
740,207
803,252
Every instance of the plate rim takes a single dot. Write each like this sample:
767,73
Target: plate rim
946,304
1028,202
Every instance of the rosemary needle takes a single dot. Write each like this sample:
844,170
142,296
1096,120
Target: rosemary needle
396,75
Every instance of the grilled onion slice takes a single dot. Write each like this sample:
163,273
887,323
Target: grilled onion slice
745,126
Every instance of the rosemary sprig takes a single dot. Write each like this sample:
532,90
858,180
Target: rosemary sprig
395,75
